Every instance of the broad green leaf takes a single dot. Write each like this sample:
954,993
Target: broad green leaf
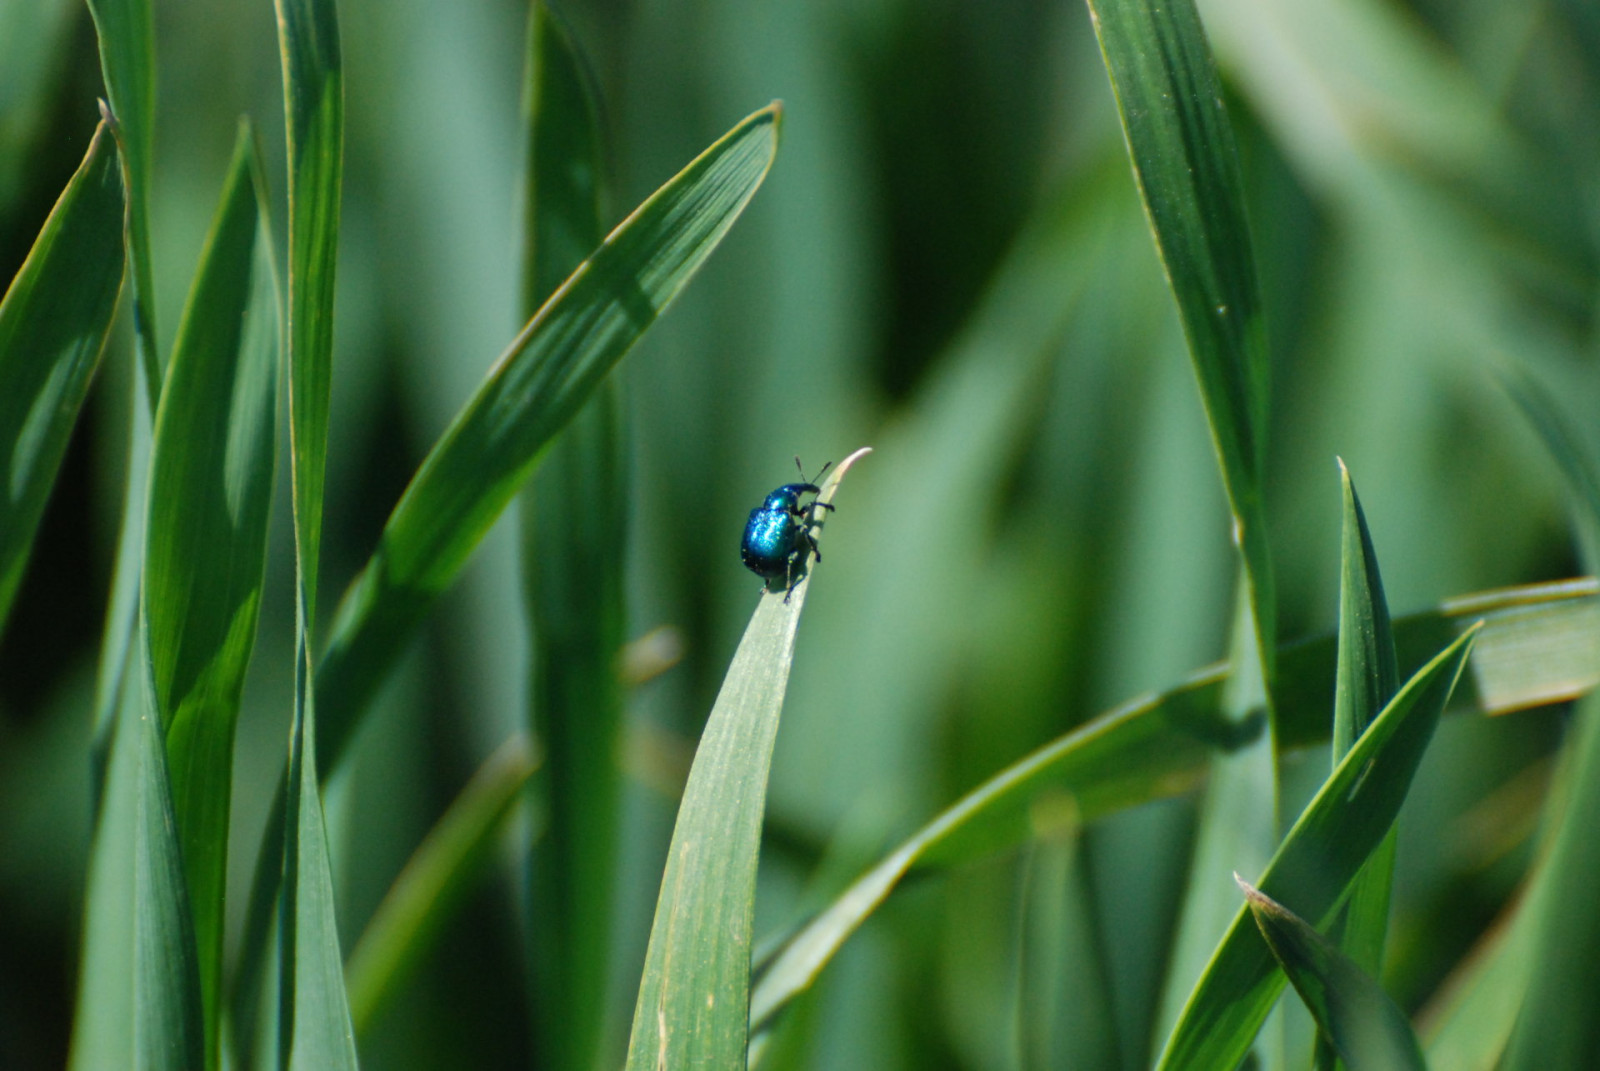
434,881
574,534
1187,167
1366,679
1350,1007
126,34
210,492
694,998
547,373
1314,866
314,1029
139,1003
53,325
1156,746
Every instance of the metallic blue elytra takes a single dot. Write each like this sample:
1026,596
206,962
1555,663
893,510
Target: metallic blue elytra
778,534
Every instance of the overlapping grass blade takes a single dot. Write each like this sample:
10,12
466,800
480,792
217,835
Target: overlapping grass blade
1350,1007
139,1004
1366,678
314,1029
574,534
694,998
53,326
1161,745
210,492
1186,164
536,386
549,370
1314,866
434,880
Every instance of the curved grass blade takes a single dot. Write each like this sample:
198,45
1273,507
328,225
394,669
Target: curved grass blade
210,493
1157,746
1187,167
314,1029
1366,679
536,386
694,997
434,880
139,1001
53,326
1314,866
574,534
470,475
1350,1007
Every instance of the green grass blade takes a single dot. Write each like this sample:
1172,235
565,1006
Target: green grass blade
54,320
1558,1026
574,535
1314,866
126,34
314,1028
1187,167
139,1001
694,997
313,86
1160,745
1366,679
434,881
541,380
210,492
1350,1007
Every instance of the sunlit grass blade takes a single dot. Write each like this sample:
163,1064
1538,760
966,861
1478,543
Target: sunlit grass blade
1366,678
430,888
53,326
126,34
210,492
314,1029
1161,745
139,1003
694,997
1314,866
1187,167
1351,1009
574,535
547,373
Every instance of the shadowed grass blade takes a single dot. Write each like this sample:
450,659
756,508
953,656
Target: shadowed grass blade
574,535
53,325
126,34
427,892
210,493
314,1029
694,999
1314,866
1350,1007
139,1001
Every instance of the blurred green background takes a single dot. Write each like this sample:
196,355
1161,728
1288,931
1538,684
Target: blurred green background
949,263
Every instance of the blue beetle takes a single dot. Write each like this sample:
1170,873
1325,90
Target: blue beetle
778,533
